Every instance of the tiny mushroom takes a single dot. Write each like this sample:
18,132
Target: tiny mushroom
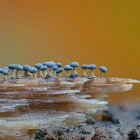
44,68
26,71
38,66
12,67
33,70
59,71
92,67
5,72
74,65
67,68
54,69
50,65
18,68
85,67
103,69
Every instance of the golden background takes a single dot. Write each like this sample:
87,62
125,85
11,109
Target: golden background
88,31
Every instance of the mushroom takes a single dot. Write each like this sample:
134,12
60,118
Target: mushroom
38,66
92,67
103,69
12,67
44,68
5,72
33,70
59,71
67,68
18,68
58,64
54,69
85,67
74,65
50,65
26,71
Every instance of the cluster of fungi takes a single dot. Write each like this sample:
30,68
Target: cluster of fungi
48,70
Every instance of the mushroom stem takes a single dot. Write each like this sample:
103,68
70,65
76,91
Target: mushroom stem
5,78
26,74
13,75
45,74
67,73
101,76
39,73
92,73
60,75
85,72
33,74
54,74
17,76
50,71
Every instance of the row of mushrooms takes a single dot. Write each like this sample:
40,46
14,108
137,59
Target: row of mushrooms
40,70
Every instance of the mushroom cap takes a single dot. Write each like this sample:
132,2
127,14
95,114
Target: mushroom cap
68,67
0,70
32,70
12,66
59,70
103,69
45,63
55,68
19,67
43,68
4,71
26,67
85,66
74,64
92,66
50,64
6,68
38,65
58,64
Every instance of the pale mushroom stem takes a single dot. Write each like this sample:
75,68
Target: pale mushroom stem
45,74
51,71
17,76
101,76
26,74
92,73
34,76
13,75
85,72
67,73
40,73
5,78
54,74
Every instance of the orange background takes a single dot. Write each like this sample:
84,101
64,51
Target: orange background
88,31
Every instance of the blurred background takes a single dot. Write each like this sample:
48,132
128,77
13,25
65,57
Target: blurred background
92,31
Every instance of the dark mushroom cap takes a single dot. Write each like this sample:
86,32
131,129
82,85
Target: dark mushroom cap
12,66
68,67
92,66
19,67
4,71
32,70
103,69
55,68
58,64
50,64
26,67
43,68
59,70
85,66
74,64
38,65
